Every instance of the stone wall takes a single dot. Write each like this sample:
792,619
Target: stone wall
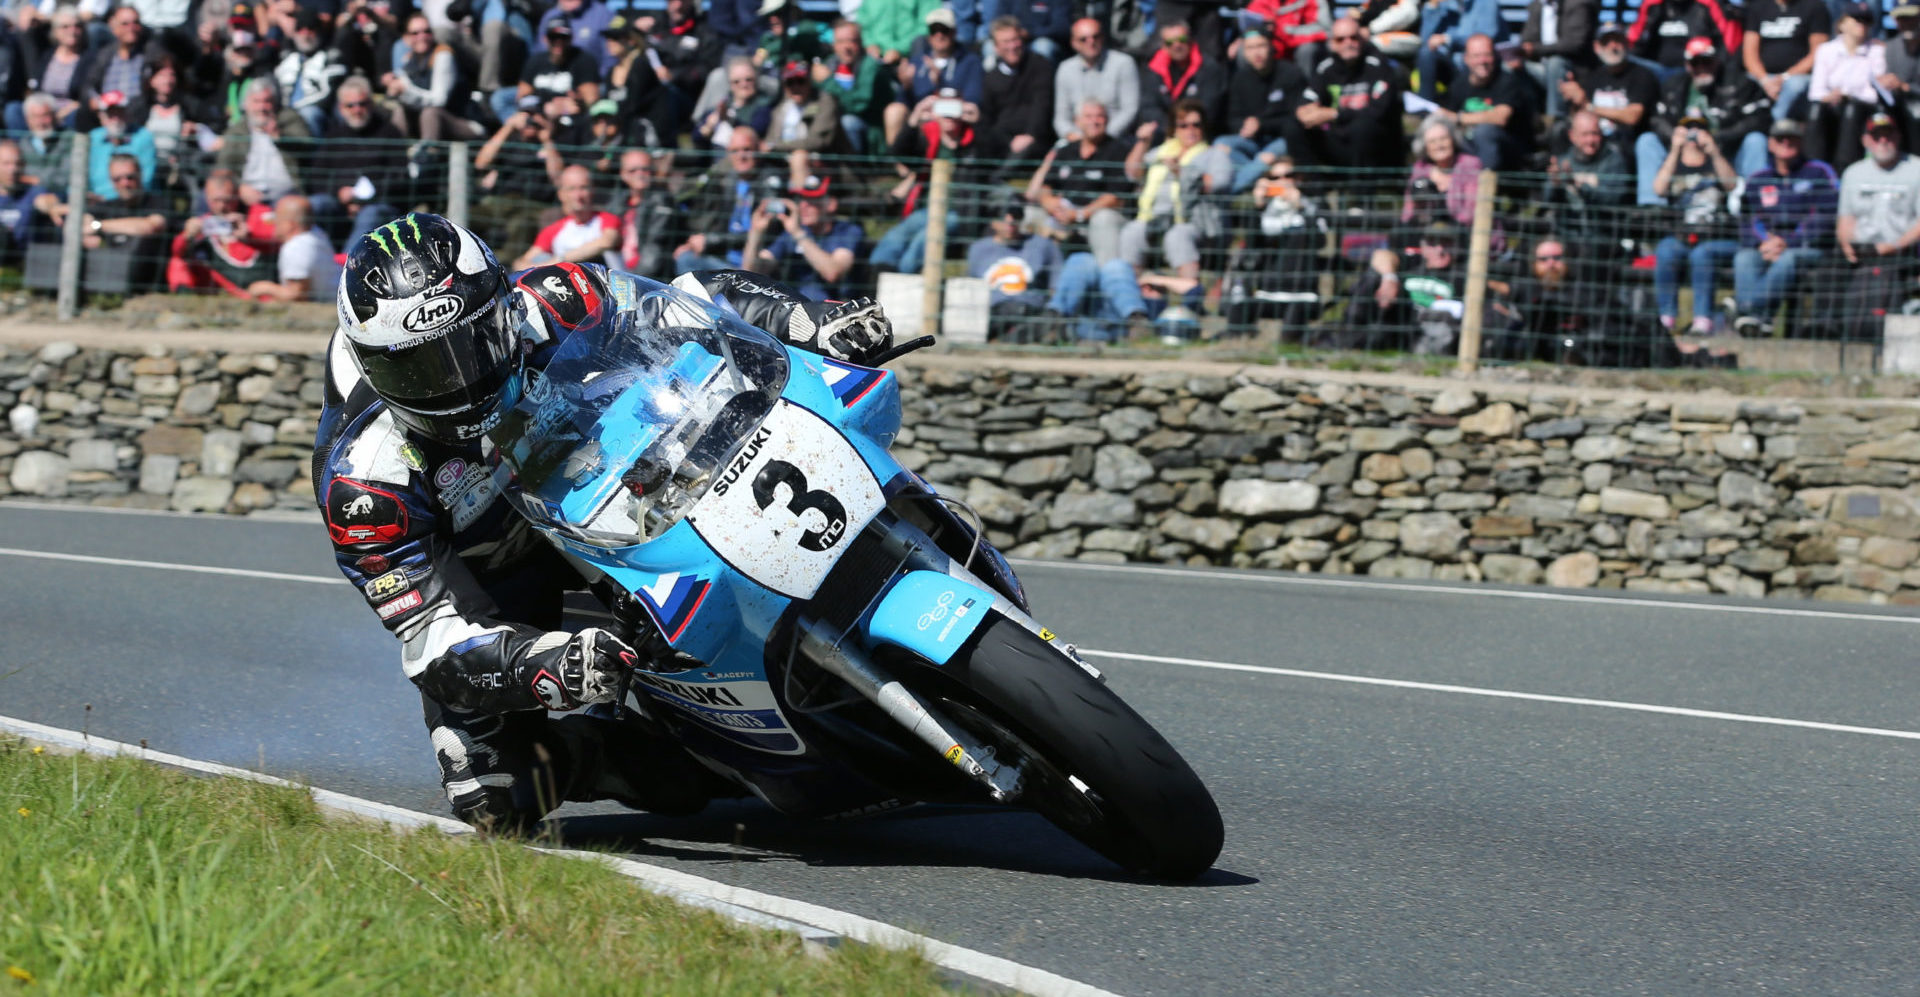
1247,467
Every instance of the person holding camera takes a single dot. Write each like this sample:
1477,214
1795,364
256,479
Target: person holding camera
518,167
1696,180
1736,110
723,203
815,252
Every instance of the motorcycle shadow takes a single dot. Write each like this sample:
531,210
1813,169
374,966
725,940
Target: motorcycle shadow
929,835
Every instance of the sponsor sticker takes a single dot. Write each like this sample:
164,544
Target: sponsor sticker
437,312
954,754
388,585
1046,635
449,473
388,611
413,458
358,513
551,693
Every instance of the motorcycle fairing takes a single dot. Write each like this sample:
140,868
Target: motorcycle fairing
930,613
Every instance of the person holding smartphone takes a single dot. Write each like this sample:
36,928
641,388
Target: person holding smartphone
1696,179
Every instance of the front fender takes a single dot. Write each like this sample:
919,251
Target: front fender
930,613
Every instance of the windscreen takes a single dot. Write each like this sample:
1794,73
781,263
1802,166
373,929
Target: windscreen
620,435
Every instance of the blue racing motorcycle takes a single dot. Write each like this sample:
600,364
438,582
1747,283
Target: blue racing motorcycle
852,642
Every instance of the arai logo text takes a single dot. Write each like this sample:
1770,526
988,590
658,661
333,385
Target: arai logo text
433,313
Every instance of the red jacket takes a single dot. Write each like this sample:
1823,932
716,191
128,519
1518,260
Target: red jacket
1294,23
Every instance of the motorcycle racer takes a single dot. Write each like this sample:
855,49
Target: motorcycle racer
433,347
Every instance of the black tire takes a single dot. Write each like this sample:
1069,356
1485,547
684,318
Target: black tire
1143,806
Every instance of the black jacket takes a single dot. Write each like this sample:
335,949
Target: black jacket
1735,106
688,55
1018,103
1270,97
374,152
1578,18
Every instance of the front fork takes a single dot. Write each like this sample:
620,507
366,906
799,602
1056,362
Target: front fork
832,653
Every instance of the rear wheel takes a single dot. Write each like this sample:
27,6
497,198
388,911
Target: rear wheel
1090,764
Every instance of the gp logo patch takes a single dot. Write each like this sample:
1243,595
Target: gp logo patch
358,513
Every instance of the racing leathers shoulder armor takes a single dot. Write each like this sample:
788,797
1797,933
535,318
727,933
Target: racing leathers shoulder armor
424,531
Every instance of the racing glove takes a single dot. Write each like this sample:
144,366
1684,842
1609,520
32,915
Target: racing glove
856,331
593,667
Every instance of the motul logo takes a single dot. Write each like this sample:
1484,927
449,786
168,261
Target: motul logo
432,313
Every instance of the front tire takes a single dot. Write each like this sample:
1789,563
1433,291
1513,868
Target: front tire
1092,765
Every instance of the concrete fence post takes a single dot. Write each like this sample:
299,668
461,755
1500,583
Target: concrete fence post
1478,250
933,268
69,289
459,166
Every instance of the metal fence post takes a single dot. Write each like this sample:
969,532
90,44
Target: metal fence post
1478,250
458,166
69,289
933,268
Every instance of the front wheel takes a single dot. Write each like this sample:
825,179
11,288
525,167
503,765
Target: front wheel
1090,764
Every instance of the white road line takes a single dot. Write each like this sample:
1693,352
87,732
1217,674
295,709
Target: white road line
306,517
1535,697
764,910
1551,595
204,569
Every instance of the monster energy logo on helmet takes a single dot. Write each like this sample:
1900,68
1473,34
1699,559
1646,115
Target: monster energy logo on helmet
392,230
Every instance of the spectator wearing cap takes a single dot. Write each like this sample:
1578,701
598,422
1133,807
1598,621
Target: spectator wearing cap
934,62
815,251
16,203
1179,71
1417,308
1877,228
1079,183
518,168
116,68
115,137
1350,110
358,171
648,218
938,128
723,203
564,79
686,44
1842,94
1261,98
1736,111
1619,91
1097,73
587,21
647,106
1016,107
1778,45
1175,176
308,71
1698,182
427,86
1446,25
1659,36
1557,37
56,70
788,38
743,102
806,118
264,147
132,215
1018,269
608,133
240,61
307,268
1492,107
858,82
1786,218
581,234
1901,81
890,26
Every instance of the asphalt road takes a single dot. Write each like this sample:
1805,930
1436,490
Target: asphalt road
1388,839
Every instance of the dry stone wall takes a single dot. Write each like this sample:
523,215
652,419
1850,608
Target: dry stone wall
1525,486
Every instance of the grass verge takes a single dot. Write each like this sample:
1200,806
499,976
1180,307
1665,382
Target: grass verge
120,877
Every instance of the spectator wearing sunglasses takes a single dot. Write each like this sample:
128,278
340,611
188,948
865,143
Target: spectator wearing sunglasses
1351,107
359,168
1180,71
133,213
1095,73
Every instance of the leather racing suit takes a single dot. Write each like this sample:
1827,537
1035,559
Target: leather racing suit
424,530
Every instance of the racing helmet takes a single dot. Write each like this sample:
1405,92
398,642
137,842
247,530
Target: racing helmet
434,326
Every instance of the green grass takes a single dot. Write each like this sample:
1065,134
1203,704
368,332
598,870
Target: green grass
118,877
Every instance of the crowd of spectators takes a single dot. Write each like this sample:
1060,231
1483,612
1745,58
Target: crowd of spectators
1111,171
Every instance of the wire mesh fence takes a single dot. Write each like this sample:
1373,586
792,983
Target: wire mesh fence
1561,267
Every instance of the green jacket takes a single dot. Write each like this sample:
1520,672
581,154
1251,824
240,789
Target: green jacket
892,25
872,89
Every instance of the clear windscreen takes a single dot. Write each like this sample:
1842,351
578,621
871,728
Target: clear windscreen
614,442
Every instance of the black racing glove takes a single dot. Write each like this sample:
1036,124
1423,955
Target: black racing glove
856,331
593,667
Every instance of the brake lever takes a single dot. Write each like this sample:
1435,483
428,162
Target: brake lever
900,350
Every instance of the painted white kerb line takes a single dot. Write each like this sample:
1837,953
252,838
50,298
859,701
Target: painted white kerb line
764,910
205,569
1322,581
1533,697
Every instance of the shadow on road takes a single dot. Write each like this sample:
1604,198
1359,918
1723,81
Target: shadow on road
928,836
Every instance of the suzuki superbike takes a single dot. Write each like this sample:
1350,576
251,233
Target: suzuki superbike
851,641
